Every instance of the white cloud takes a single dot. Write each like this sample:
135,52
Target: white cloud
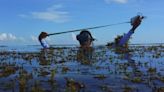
117,1
54,7
52,14
7,37
34,39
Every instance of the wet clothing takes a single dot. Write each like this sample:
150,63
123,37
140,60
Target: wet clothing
125,38
44,44
121,41
42,41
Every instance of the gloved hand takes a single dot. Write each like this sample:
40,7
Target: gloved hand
136,21
42,35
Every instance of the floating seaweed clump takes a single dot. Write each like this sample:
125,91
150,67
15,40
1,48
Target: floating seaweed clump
137,80
22,84
53,72
160,89
140,68
151,70
7,71
65,69
126,77
128,89
100,77
37,88
138,73
23,80
73,86
162,79
44,73
106,88
9,85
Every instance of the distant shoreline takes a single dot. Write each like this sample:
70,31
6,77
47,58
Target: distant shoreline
147,44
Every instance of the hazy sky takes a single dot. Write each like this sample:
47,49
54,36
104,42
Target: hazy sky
21,21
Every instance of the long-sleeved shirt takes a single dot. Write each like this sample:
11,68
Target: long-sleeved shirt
125,38
44,44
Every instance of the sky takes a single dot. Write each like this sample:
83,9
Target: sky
21,21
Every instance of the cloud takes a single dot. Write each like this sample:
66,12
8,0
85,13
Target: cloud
117,1
52,14
34,38
7,37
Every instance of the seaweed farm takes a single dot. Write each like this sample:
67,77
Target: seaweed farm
71,69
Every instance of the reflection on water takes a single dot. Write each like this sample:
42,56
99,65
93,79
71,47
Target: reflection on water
72,69
85,55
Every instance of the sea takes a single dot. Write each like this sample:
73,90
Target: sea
30,68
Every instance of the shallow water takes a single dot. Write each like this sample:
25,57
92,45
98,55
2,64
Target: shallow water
70,69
